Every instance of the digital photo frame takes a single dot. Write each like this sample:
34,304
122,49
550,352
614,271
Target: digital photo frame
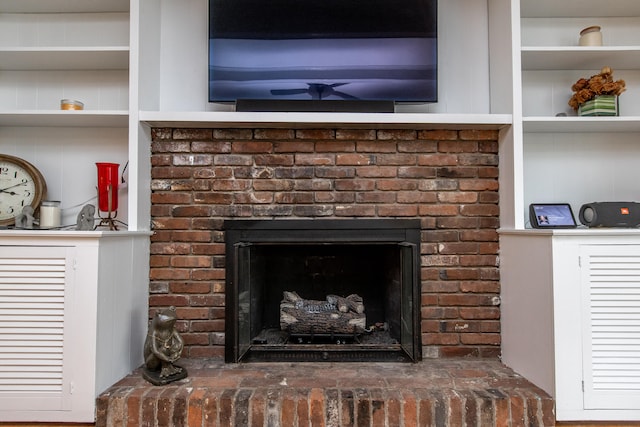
551,215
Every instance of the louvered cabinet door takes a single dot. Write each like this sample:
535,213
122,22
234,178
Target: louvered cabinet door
34,286
610,287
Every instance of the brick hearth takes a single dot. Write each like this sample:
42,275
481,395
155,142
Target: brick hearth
439,393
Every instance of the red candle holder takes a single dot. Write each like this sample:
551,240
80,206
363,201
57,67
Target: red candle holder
108,191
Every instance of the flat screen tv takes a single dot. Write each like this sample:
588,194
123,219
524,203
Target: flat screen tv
368,50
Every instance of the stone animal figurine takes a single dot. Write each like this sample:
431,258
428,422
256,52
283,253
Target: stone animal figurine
162,348
85,220
25,218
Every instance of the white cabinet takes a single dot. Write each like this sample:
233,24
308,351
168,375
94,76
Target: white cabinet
570,301
73,315
570,316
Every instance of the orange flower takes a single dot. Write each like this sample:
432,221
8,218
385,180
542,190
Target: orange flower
580,84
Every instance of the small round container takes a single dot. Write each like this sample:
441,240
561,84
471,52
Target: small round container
591,36
50,214
71,104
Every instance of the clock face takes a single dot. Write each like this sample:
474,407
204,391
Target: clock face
20,185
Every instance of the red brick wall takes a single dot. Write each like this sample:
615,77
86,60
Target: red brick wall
447,178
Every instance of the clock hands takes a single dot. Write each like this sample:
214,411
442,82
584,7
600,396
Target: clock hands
4,190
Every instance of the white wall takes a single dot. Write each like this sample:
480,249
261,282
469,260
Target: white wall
67,157
569,167
463,68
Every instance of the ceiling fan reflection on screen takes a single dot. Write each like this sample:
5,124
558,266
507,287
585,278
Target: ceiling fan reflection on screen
316,91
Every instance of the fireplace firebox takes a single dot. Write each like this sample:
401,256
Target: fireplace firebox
322,290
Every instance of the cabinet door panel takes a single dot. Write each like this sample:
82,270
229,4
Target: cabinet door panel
611,326
34,288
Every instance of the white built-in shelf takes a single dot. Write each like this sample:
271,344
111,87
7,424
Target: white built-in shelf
228,119
574,124
578,8
63,6
6,234
579,58
65,58
579,231
71,118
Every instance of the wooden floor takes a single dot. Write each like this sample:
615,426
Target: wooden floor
598,424
563,424
46,425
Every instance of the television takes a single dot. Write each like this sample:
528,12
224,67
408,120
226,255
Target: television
323,50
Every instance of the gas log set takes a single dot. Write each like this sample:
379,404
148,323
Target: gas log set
334,317
334,321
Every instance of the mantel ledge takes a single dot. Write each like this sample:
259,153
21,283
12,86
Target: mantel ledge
579,231
301,120
42,235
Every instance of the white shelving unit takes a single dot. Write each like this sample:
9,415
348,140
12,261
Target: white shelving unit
64,49
95,281
547,62
548,319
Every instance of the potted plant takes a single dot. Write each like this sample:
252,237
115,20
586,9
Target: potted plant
597,95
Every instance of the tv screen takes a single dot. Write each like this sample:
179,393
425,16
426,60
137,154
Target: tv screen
370,50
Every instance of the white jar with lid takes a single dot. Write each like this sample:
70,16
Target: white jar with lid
591,36
50,214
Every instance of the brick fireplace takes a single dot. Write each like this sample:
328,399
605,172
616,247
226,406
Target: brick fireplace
445,179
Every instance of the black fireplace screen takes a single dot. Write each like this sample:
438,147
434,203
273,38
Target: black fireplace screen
333,290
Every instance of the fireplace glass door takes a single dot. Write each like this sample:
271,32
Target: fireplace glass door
321,293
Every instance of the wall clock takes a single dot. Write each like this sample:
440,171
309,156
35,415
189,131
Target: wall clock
21,184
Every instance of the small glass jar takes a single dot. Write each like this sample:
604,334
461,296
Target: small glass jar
71,104
50,214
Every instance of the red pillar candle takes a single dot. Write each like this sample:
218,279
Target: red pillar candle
108,185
